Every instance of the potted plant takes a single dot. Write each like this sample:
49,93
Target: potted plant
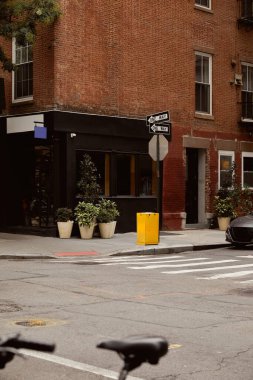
106,218
87,185
64,219
85,215
224,210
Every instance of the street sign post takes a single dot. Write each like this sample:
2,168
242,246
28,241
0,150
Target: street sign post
159,124
158,148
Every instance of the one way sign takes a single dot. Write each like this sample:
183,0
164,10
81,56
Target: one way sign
163,128
157,118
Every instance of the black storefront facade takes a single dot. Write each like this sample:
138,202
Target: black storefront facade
40,174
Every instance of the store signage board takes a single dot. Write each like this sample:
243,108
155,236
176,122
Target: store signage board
40,132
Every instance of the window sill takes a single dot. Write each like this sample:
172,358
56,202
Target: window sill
203,116
17,103
246,120
204,9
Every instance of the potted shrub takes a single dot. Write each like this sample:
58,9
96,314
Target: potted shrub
64,219
85,215
224,210
106,218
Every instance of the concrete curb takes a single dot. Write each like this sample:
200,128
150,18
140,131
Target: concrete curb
141,251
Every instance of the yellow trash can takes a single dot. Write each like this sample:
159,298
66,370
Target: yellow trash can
147,228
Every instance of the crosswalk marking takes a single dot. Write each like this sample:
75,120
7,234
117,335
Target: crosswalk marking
246,257
183,265
209,269
178,264
153,262
227,275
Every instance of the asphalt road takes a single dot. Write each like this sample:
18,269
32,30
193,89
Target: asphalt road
201,301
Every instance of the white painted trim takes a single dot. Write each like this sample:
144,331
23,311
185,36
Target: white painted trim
210,82
23,123
209,7
19,100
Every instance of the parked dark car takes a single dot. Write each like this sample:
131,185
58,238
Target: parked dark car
240,231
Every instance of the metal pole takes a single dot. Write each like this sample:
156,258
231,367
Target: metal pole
158,172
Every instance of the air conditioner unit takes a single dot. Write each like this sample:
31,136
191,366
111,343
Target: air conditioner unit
238,79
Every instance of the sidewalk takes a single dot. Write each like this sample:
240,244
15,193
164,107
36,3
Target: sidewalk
30,247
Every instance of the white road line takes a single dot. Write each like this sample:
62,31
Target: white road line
245,282
208,269
227,275
183,265
135,258
155,262
246,257
73,364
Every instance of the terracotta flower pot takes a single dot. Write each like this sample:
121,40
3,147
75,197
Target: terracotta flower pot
223,222
86,232
107,229
65,229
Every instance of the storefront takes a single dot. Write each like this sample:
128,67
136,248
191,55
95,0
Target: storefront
40,174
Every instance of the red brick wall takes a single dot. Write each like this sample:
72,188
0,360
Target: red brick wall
133,58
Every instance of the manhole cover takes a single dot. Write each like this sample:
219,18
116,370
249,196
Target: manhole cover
36,322
32,323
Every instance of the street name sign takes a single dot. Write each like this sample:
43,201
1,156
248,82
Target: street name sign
157,118
162,144
163,128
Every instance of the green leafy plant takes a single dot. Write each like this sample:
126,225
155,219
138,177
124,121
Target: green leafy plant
87,186
19,18
241,197
223,206
63,214
108,211
86,213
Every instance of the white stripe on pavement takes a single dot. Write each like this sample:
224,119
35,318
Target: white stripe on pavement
246,257
155,262
73,364
183,265
208,269
227,275
244,282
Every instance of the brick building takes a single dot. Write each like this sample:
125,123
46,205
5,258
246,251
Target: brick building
92,78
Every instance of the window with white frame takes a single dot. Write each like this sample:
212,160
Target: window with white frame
203,83
247,91
247,169
226,159
23,73
204,3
